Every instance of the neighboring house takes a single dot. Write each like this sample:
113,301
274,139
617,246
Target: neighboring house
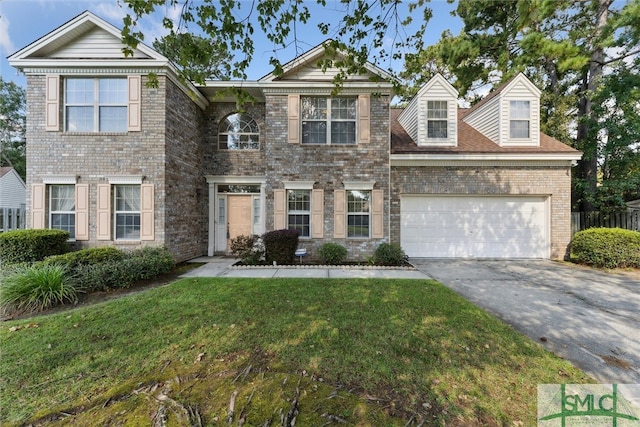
119,163
12,199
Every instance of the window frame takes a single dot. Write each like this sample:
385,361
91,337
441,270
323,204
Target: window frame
360,213
433,116
117,213
226,133
71,213
97,104
329,119
516,116
300,212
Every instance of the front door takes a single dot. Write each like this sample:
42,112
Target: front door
239,217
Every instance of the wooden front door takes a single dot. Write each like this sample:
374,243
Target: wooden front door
239,216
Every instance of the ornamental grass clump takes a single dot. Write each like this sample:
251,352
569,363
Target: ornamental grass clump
37,287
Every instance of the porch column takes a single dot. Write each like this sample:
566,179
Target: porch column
212,218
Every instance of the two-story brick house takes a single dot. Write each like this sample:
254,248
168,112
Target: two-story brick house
118,163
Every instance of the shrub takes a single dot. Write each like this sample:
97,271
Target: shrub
390,254
32,245
38,287
280,246
141,264
86,257
249,249
332,253
606,248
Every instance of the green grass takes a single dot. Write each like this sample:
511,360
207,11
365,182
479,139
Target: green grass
371,352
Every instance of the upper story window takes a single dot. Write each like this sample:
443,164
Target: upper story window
519,119
437,119
238,131
328,120
96,105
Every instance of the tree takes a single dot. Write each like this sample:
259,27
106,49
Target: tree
198,59
566,47
362,32
13,127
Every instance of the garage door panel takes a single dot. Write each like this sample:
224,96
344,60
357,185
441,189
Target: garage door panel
475,226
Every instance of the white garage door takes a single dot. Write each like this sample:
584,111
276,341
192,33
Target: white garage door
475,226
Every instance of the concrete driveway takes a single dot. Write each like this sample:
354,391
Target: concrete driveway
587,317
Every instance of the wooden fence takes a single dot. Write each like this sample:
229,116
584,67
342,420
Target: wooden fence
583,220
11,219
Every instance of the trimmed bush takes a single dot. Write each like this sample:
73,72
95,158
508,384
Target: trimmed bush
280,246
32,245
390,254
332,253
606,248
38,287
86,257
141,264
249,249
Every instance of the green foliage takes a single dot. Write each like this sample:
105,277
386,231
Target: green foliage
13,127
606,248
359,30
32,245
86,257
249,249
332,253
390,254
196,56
280,246
38,287
141,264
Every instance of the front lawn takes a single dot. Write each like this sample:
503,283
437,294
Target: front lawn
246,351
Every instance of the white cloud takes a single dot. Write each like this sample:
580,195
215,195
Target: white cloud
6,44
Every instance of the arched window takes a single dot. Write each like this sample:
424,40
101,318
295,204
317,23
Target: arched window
238,131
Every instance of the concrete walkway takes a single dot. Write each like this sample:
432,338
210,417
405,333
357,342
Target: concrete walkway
221,267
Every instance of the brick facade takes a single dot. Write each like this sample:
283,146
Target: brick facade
554,182
328,166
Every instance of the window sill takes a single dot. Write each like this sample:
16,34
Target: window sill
94,133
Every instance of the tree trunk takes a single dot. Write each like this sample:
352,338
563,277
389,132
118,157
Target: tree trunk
587,133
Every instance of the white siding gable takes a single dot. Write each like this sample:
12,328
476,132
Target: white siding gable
414,118
12,190
95,44
492,118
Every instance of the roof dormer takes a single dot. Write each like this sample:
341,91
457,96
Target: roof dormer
510,115
431,116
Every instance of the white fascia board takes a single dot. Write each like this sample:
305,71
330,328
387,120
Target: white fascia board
470,159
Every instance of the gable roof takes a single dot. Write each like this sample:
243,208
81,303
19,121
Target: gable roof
7,170
310,59
55,45
471,141
504,87
89,42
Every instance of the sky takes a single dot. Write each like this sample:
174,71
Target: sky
24,21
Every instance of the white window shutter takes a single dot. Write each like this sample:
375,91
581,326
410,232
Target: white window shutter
134,105
104,212
82,212
147,226
339,214
364,119
279,209
52,103
37,205
377,213
293,113
317,214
